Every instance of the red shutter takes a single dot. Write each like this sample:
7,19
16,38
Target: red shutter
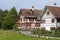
53,20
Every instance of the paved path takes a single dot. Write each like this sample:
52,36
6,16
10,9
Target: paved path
30,34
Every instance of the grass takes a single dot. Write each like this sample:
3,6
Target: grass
10,35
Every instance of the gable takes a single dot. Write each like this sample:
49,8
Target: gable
48,16
55,10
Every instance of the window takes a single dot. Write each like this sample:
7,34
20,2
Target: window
53,20
42,21
31,12
31,19
24,19
37,25
48,13
20,20
28,24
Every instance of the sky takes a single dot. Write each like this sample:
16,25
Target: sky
38,4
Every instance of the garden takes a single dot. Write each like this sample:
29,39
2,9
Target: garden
12,35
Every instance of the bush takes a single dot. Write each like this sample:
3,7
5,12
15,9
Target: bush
15,27
35,31
42,32
56,33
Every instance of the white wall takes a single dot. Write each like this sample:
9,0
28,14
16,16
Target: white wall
50,16
48,19
48,23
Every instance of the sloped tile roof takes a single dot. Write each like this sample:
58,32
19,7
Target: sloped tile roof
55,10
25,12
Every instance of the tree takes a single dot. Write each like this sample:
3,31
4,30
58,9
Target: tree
8,22
9,19
1,17
13,13
5,12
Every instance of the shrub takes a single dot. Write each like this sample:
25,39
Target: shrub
43,32
15,27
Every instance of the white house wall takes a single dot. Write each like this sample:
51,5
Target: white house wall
48,23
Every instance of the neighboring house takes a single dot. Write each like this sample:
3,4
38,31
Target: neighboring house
50,17
28,18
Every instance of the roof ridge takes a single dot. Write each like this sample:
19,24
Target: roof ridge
52,6
55,10
29,9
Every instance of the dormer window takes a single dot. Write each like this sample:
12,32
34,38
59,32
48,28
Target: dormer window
30,11
48,13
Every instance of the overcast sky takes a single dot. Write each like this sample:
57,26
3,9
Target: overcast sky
38,4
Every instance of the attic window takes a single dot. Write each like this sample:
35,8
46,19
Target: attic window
53,20
30,11
48,13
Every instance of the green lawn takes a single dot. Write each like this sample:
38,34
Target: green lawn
10,35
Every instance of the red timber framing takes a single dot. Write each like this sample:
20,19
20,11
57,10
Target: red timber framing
30,25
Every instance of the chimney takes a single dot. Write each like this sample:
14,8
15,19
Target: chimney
32,8
54,3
